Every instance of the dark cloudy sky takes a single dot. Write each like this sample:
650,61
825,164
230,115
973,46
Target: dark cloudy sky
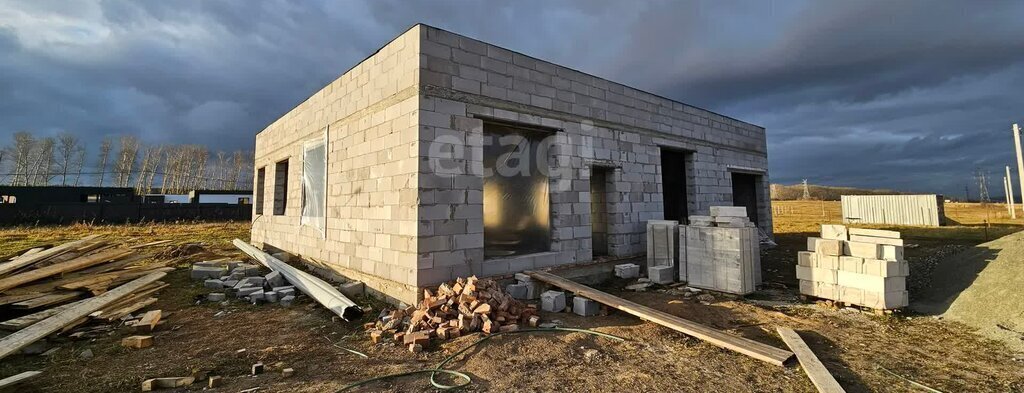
896,94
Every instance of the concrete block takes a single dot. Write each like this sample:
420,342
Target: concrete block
817,275
627,270
523,277
533,289
834,232
200,272
701,221
517,291
892,253
230,283
287,301
851,264
883,268
216,297
826,261
352,289
819,289
552,301
282,293
661,274
825,246
585,307
886,300
863,250
246,291
257,296
213,283
270,296
874,233
728,211
871,283
806,258
731,222
274,279
876,240
233,264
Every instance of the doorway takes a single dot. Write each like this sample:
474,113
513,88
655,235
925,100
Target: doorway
674,184
599,210
745,193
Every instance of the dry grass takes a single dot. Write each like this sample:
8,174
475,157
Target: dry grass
20,238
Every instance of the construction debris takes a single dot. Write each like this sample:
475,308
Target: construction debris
461,307
742,345
863,267
166,383
137,342
316,288
19,379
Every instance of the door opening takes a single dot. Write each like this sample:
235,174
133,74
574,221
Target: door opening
599,210
744,193
674,184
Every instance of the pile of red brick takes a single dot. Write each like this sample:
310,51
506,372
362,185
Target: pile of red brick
465,306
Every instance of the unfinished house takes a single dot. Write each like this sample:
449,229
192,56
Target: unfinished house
441,156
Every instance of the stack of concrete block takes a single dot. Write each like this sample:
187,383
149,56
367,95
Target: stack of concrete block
720,252
863,267
243,280
661,250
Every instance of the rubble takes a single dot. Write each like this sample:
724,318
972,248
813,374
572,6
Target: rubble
464,306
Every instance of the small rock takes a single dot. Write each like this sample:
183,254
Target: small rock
705,298
590,354
86,354
288,372
215,381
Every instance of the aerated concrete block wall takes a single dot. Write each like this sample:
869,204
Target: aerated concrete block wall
595,123
405,176
370,115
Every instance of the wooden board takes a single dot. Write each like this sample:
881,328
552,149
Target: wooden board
53,270
754,349
25,337
24,321
19,379
11,299
816,371
19,263
47,300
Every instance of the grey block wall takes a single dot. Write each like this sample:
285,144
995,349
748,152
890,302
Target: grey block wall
405,197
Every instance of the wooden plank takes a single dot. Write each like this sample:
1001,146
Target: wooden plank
119,313
816,371
754,349
26,320
11,299
23,338
19,263
47,300
53,270
19,379
148,322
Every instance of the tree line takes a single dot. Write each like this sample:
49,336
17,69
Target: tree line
122,162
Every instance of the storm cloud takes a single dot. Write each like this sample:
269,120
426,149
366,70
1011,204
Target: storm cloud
906,95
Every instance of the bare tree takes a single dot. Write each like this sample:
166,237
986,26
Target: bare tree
67,148
239,162
148,168
78,164
24,144
41,170
126,157
104,158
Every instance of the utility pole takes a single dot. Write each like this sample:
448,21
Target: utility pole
1009,193
807,191
1020,160
1006,195
979,176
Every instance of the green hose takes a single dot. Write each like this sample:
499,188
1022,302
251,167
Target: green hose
438,369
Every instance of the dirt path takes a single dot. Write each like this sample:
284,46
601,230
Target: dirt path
983,287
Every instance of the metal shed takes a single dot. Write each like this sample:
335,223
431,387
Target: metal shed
917,210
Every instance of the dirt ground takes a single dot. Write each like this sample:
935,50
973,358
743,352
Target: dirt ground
860,349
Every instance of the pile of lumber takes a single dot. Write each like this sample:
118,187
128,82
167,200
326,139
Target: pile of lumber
463,306
45,282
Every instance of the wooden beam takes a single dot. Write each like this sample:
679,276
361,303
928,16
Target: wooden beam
27,320
148,322
19,379
816,371
754,349
63,267
23,338
30,259
47,300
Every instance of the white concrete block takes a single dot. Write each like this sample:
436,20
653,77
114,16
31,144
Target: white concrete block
834,232
876,240
871,283
874,232
661,274
825,246
863,250
818,275
728,211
